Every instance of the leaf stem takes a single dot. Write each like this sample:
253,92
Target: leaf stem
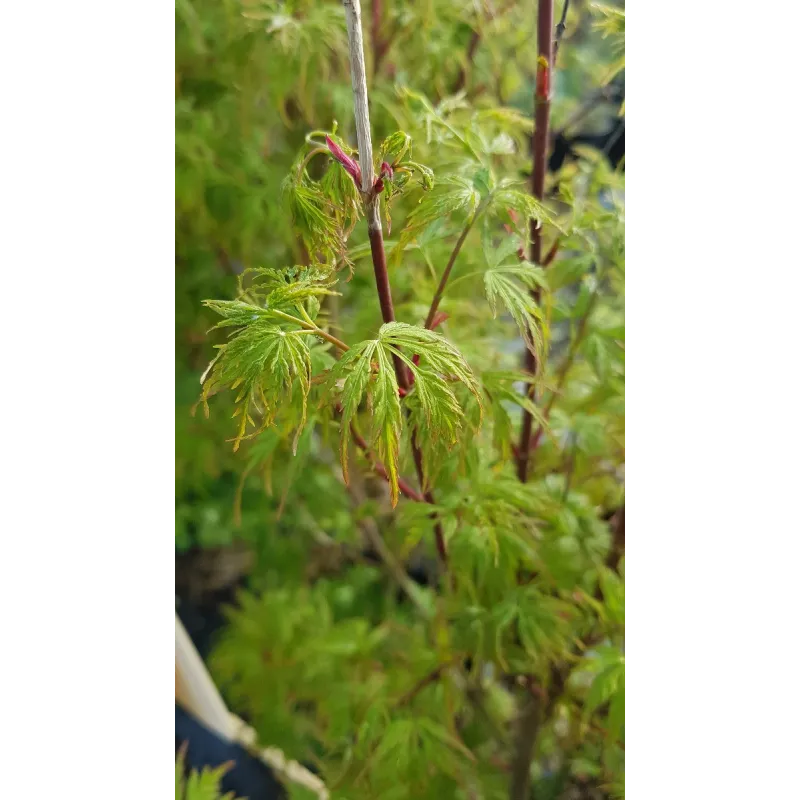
304,315
312,328
437,298
315,152
464,277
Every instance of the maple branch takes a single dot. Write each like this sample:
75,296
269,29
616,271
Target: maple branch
540,142
530,720
352,9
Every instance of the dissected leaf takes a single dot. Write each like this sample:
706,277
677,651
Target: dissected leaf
450,196
508,285
263,361
435,352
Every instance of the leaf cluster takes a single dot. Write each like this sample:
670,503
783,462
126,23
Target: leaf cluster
368,371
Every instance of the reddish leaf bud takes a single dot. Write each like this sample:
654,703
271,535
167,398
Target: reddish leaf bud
542,79
350,165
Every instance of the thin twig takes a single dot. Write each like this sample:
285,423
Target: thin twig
437,299
421,684
560,28
364,137
403,485
531,717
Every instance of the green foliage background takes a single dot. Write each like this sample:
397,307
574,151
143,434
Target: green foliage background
324,656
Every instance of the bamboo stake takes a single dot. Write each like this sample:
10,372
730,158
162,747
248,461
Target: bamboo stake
196,692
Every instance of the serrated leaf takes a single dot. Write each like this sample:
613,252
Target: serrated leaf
605,685
503,284
434,351
456,194
366,370
354,370
394,148
202,785
499,386
442,413
524,206
314,217
387,418
262,361
337,185
497,254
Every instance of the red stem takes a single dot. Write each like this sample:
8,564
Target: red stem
540,141
403,485
403,382
381,276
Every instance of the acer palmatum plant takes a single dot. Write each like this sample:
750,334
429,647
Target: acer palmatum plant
433,626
